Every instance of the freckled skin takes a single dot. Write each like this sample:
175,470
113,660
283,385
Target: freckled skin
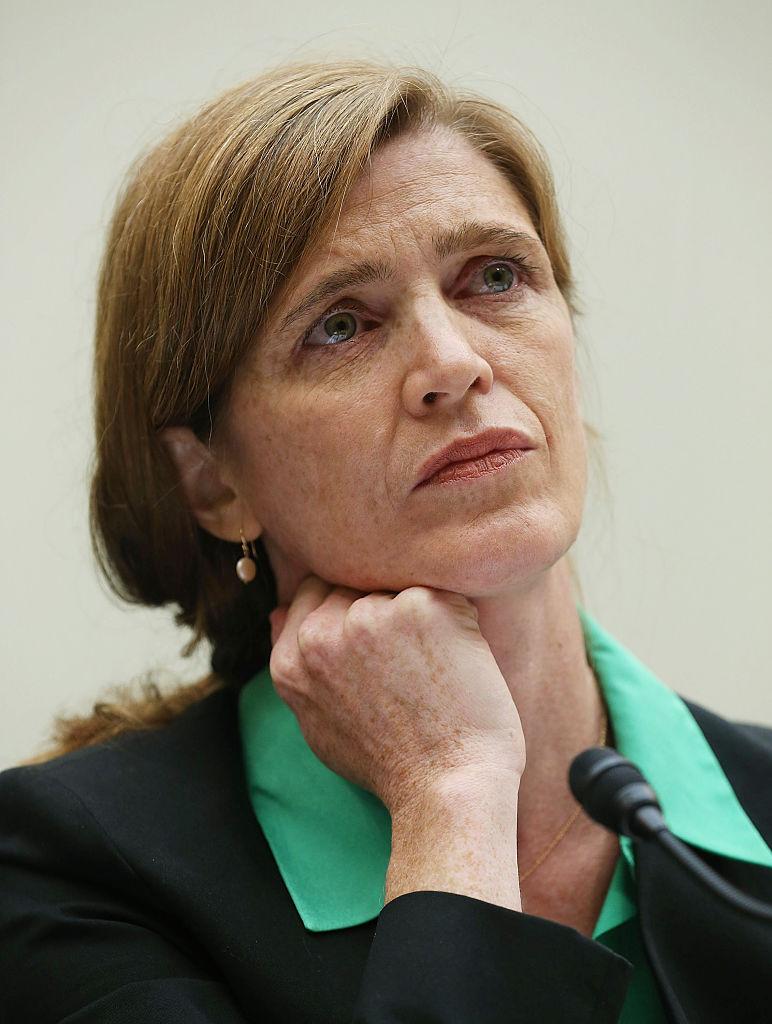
320,450
327,445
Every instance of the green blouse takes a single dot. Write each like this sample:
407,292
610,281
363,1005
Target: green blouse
332,839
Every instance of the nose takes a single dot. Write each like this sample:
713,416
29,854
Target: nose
445,361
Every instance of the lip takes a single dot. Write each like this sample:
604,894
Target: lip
474,446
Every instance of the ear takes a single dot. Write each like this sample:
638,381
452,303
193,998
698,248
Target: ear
218,508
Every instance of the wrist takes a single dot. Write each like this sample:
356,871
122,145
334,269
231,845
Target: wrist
455,788
458,833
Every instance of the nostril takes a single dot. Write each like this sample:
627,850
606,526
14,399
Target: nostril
430,396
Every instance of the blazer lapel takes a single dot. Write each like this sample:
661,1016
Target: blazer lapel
713,963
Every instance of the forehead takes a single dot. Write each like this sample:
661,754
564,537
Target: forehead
423,196
421,179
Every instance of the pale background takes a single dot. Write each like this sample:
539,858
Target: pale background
656,117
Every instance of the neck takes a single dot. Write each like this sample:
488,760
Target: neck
537,640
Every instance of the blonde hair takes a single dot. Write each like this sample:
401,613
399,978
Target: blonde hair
208,224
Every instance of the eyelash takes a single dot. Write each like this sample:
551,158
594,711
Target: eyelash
526,269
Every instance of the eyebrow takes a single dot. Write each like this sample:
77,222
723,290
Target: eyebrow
445,242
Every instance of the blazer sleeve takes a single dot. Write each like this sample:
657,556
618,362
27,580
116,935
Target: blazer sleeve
76,944
446,958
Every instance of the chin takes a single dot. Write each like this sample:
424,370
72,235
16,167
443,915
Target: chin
488,558
494,552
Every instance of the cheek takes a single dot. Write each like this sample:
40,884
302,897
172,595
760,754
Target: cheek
313,461
541,372
557,348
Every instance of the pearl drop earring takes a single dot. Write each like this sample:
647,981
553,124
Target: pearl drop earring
245,567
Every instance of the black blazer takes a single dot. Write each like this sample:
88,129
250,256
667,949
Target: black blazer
136,885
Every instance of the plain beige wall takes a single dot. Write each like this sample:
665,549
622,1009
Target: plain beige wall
656,119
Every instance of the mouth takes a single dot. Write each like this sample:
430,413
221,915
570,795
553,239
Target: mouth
469,457
471,469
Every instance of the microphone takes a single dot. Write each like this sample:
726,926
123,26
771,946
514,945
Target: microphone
616,795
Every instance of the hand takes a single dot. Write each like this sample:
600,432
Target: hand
394,691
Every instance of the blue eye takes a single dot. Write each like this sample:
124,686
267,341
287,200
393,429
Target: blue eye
339,326
498,277
336,327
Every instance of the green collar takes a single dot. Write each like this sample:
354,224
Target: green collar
331,839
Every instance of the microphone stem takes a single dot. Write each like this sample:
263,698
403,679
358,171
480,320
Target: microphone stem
711,879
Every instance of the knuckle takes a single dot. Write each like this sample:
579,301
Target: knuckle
306,634
361,614
416,600
287,684
310,636
281,667
314,644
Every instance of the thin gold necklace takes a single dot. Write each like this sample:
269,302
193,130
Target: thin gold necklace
564,828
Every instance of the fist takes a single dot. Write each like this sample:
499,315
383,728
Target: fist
394,691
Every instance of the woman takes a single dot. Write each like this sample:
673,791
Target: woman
338,425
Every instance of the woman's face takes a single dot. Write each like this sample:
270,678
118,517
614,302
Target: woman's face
328,425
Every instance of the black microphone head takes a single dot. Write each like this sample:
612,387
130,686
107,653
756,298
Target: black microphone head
611,789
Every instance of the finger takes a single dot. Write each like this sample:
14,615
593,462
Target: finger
340,599
286,620
333,607
308,596
277,618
